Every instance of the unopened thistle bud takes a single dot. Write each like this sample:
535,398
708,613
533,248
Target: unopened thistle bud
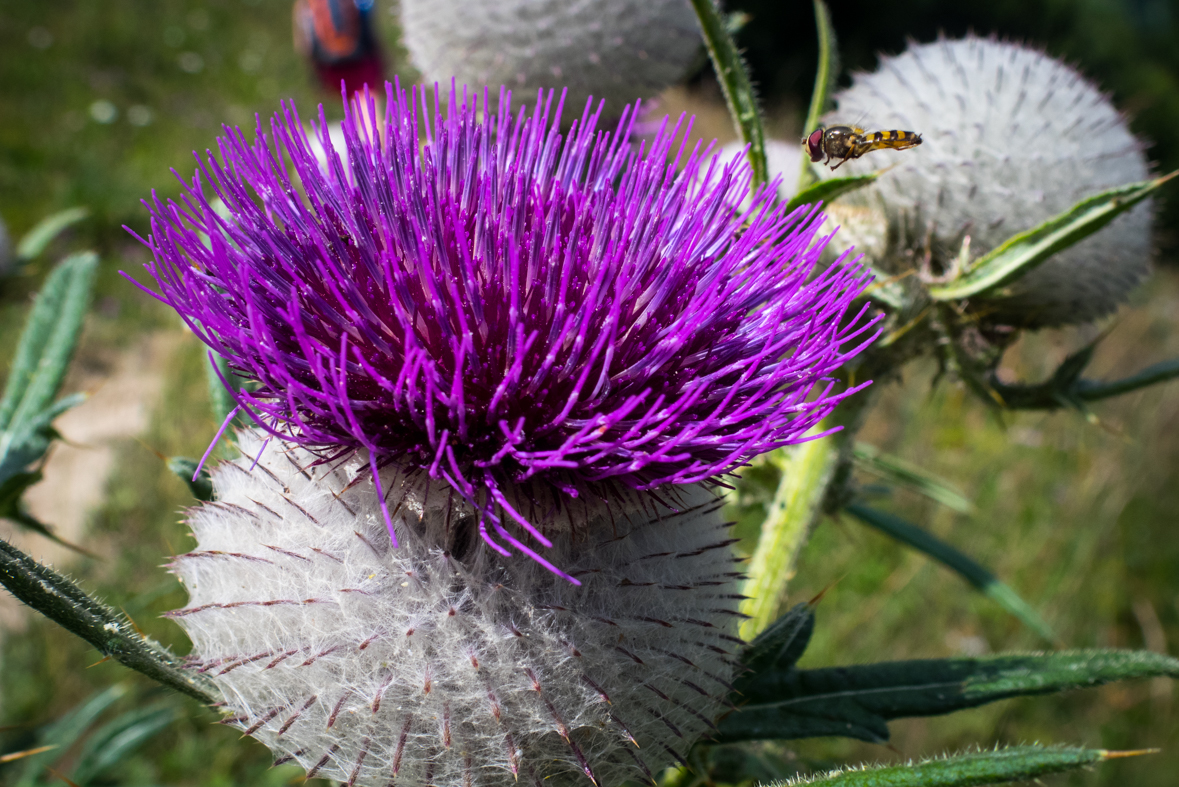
614,50
498,368
1012,138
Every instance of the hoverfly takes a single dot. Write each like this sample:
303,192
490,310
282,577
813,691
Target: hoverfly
848,142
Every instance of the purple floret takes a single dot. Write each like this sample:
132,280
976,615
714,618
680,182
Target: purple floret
474,294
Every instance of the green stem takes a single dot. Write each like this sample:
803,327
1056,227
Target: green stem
825,74
62,601
735,84
807,470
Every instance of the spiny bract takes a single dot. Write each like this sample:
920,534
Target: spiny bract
439,661
614,50
1012,138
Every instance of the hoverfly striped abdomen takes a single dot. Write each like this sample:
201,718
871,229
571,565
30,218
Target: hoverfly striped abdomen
843,143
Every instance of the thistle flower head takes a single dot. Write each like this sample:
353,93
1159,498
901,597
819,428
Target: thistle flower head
528,316
615,50
440,661
1012,138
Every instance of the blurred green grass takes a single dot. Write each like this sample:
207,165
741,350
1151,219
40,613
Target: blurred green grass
1079,518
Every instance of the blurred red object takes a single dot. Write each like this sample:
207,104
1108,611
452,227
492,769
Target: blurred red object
337,35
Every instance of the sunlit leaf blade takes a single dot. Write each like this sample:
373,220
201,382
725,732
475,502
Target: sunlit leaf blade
1022,253
48,340
858,701
908,475
62,601
825,77
974,573
831,189
1018,763
109,744
66,731
782,643
201,486
36,240
13,756
733,77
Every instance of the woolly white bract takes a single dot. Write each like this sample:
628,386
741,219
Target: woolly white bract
613,50
439,661
1012,137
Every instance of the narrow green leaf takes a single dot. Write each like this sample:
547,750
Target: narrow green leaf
825,76
66,731
908,475
831,189
783,643
858,701
108,745
974,573
733,77
1024,252
112,634
42,234
184,468
1017,763
48,340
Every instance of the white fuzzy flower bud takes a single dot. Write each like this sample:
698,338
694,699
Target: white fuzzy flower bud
439,661
1012,137
616,50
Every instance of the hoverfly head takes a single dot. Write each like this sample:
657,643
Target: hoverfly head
814,144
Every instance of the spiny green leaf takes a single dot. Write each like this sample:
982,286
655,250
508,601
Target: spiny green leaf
831,189
825,77
62,601
184,468
1022,253
783,643
42,234
48,340
733,77
858,701
64,732
910,476
973,572
1017,763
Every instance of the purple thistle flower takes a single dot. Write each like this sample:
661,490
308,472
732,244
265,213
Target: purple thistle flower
529,316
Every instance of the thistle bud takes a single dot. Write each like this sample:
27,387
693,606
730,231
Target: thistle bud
1011,138
614,50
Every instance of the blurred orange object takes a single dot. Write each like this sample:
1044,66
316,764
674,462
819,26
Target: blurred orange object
337,35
